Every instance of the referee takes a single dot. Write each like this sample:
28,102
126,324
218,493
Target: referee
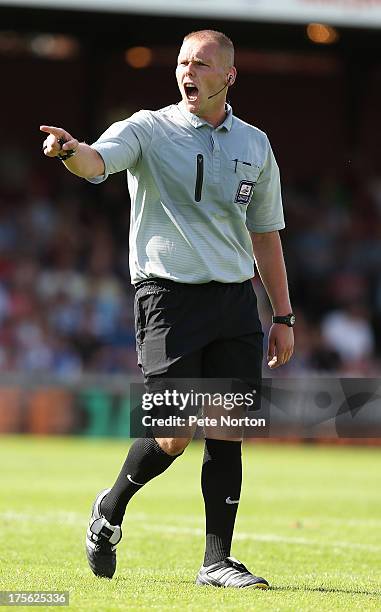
205,204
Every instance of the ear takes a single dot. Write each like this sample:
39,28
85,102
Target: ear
231,76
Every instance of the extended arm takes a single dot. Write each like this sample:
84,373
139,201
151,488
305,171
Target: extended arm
86,163
268,254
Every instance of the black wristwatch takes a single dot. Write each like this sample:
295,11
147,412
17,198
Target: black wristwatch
66,154
288,320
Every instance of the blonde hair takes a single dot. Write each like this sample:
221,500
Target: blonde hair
221,39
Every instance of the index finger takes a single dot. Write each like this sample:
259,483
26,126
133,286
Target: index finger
50,129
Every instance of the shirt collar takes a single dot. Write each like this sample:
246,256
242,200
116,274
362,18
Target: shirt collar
198,122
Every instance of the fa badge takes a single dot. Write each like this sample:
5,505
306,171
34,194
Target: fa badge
244,192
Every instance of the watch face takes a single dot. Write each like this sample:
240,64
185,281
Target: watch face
292,320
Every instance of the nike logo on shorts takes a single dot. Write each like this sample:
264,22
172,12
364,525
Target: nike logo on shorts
229,500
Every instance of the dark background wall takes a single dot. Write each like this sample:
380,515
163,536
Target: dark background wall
322,100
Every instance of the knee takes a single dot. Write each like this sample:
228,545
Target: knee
173,446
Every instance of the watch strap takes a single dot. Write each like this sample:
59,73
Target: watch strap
288,320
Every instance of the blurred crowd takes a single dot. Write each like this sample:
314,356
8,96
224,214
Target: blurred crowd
66,302
333,251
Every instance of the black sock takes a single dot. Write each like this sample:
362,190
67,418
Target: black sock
144,461
221,479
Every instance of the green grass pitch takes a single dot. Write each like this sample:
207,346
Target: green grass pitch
309,521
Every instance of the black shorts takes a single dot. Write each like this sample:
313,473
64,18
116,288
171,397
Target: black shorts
198,331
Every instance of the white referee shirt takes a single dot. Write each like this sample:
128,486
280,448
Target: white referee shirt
196,191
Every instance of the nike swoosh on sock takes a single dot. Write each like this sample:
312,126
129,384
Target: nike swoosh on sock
229,500
139,484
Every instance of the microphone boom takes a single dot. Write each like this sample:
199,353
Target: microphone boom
218,92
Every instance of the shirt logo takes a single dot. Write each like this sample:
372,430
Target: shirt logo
244,192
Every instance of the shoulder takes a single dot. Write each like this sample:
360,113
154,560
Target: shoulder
163,117
154,118
249,131
167,112
255,139
144,124
141,118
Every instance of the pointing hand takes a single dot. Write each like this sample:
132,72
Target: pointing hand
52,146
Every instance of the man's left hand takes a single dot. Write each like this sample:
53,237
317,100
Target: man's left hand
280,346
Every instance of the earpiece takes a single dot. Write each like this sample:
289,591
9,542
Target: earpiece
230,79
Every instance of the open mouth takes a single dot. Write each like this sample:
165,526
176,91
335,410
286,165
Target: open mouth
191,92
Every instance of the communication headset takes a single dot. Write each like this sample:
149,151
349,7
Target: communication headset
229,81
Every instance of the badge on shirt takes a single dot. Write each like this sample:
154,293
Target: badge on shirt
244,192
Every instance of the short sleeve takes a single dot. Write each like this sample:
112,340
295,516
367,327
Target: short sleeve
124,143
265,211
